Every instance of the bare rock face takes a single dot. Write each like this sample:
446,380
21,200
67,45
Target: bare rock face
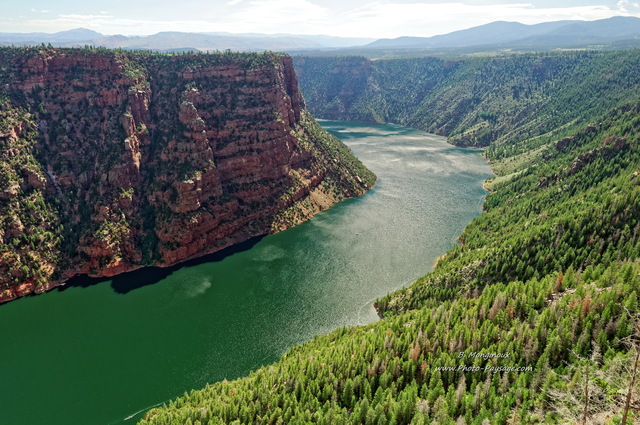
609,147
141,159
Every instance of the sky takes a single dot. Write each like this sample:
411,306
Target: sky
345,18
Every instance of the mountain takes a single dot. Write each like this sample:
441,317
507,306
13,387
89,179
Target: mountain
618,27
514,34
336,42
114,161
78,34
204,42
580,33
71,36
182,41
492,33
495,35
325,41
110,42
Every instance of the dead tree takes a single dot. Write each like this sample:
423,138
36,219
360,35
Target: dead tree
634,343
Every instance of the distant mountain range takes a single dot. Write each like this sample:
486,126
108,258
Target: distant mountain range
181,41
501,35
514,34
63,37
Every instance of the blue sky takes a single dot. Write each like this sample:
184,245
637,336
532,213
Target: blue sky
349,18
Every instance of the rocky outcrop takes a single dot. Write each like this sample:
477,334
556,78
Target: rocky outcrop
609,147
148,159
562,144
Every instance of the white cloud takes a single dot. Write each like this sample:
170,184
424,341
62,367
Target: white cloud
234,2
624,5
110,24
277,15
266,16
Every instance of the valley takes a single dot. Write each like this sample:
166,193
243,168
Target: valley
235,311
185,199
544,285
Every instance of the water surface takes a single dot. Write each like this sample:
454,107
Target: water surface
97,356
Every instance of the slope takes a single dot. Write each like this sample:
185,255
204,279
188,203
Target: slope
508,102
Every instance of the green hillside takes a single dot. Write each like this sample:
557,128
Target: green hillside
536,308
503,101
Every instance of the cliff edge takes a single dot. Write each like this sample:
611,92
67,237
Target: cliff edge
112,161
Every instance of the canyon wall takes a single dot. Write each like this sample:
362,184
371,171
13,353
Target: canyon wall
112,161
507,103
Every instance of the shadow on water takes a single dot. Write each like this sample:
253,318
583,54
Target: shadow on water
135,279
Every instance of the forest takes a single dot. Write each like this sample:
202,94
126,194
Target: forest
533,318
504,102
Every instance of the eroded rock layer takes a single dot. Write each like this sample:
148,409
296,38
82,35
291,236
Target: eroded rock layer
112,161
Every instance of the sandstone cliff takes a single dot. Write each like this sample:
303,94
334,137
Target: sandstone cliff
112,161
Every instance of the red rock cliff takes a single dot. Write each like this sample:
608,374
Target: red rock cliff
152,159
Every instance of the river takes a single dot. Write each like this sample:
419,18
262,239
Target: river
99,355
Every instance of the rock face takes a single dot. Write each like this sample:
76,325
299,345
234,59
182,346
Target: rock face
144,159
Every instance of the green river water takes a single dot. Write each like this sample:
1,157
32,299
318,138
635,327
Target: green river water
105,353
